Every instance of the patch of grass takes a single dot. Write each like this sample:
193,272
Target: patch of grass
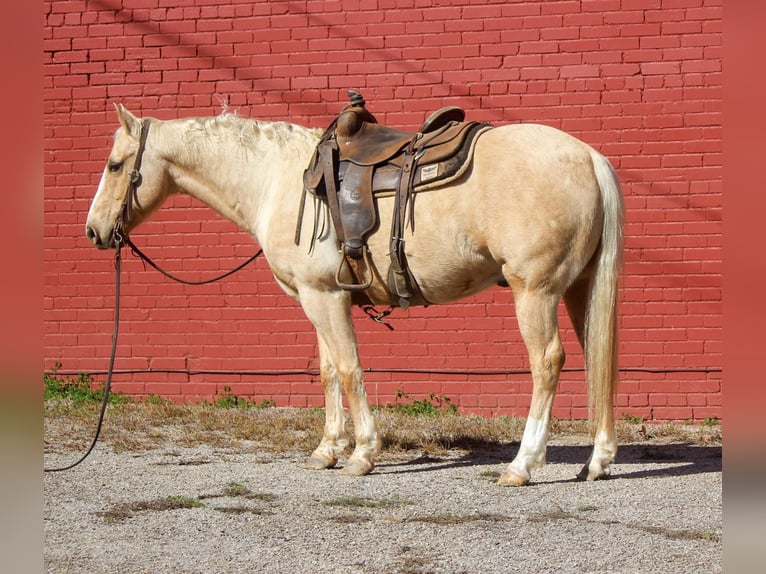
350,519
236,489
80,390
173,502
242,493
157,400
243,509
711,535
551,516
663,433
441,435
159,424
364,502
262,496
632,419
708,535
586,508
669,533
432,406
126,510
413,564
492,475
228,400
453,519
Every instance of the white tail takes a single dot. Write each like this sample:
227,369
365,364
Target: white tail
601,322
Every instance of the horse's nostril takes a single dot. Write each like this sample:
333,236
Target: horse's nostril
91,234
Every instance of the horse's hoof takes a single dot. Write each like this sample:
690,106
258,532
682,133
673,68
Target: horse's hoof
511,478
319,463
357,468
596,473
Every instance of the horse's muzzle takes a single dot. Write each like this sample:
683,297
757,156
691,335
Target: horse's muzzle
97,239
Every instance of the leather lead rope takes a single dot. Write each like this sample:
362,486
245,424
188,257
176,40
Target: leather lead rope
108,384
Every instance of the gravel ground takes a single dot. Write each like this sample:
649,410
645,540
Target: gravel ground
256,512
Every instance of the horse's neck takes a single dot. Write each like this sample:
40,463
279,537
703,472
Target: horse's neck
244,170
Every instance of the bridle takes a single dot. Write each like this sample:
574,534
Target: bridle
134,182
121,237
126,212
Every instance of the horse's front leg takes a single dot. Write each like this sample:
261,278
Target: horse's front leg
367,447
331,315
334,439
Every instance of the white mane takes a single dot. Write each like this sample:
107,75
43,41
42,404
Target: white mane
246,134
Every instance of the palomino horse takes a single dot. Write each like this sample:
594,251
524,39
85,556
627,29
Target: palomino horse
539,210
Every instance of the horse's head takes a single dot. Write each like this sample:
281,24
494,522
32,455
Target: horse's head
133,184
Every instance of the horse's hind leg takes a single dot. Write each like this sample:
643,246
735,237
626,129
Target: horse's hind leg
340,368
577,299
537,316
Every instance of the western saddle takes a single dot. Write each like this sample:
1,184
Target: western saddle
357,160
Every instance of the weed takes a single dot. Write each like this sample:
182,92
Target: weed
633,419
236,489
157,400
228,400
710,421
432,406
710,535
174,502
79,391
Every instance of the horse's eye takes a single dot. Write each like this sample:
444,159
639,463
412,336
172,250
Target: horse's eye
115,167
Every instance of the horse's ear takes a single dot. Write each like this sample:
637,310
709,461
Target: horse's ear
130,123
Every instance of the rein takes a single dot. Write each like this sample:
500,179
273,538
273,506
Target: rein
121,238
145,258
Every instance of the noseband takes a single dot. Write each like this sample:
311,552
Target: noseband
134,181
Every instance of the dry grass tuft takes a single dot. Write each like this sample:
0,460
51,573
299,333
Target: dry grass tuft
136,427
122,511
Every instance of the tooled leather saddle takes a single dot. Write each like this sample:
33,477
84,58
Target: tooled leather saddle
357,160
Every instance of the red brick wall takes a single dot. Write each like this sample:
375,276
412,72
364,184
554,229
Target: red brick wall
640,80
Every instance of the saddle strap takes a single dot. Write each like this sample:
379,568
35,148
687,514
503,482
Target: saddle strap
401,281
328,157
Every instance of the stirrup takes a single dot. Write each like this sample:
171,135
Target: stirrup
355,286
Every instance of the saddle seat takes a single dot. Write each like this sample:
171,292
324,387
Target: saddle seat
358,159
365,142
